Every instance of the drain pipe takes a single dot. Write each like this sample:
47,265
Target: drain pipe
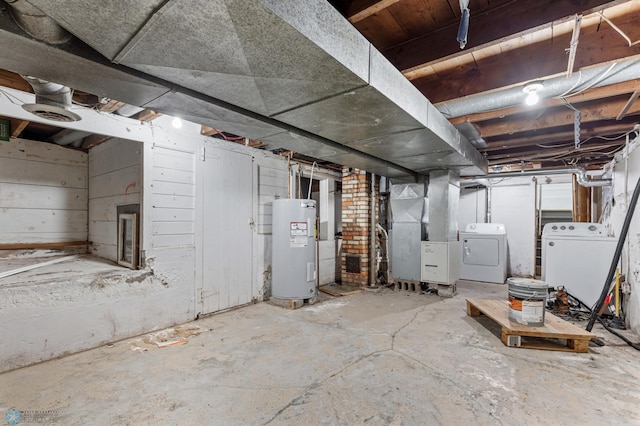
581,175
603,75
372,246
36,23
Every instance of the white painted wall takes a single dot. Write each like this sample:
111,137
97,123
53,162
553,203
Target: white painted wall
43,193
631,253
511,202
472,206
114,179
87,312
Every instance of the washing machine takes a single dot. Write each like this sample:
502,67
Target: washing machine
483,254
577,256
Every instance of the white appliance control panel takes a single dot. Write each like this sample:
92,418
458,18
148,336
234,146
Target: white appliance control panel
486,228
575,229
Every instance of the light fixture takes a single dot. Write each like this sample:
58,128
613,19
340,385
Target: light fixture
532,90
176,123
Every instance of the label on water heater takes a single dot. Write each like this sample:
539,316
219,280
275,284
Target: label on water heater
298,234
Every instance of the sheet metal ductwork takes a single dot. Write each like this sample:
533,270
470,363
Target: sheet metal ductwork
53,100
37,24
291,73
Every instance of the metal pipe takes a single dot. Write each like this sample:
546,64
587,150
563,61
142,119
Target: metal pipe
603,75
48,92
372,245
581,175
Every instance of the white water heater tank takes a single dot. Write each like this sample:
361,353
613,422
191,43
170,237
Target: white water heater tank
294,249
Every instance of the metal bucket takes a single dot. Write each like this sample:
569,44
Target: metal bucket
527,299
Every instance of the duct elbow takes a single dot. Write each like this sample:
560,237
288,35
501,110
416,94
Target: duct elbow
583,179
37,24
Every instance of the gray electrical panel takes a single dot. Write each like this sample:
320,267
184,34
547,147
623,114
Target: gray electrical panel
294,249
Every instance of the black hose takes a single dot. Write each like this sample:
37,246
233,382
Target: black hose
620,336
610,330
616,256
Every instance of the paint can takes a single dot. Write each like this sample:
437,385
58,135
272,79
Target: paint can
527,299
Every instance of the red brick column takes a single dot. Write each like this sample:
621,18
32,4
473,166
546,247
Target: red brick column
356,225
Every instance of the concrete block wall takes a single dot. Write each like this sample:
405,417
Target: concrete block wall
356,223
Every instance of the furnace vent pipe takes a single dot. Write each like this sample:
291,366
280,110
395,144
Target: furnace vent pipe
53,101
47,91
36,23
603,75
581,175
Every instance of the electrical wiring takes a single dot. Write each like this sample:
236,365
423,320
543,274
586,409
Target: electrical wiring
598,80
10,97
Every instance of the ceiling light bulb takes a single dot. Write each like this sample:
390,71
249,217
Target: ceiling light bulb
176,123
532,90
532,98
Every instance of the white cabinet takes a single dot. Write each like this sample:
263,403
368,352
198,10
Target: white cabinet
440,262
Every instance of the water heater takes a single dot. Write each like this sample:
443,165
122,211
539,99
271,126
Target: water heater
294,249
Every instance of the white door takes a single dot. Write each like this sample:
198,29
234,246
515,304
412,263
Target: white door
483,251
227,235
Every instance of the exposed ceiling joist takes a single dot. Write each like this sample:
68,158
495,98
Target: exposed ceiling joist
368,10
511,20
595,111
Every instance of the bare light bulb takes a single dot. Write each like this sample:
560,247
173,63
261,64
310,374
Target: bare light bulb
532,98
532,90
176,123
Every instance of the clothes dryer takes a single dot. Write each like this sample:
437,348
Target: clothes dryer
483,254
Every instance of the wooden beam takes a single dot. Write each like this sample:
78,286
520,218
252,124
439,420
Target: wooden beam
371,9
111,106
604,110
625,108
17,127
586,96
509,21
533,62
36,246
614,129
14,81
148,115
539,154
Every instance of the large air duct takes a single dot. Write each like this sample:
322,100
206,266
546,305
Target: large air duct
36,23
53,101
603,75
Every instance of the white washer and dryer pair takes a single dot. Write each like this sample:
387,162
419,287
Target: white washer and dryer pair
483,254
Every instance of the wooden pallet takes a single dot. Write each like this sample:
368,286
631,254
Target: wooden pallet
339,290
516,335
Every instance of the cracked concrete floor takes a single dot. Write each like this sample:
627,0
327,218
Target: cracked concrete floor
370,358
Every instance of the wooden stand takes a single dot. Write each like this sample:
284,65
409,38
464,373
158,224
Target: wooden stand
516,335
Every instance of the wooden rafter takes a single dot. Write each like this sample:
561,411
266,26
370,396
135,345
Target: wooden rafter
370,9
111,106
148,115
510,21
596,111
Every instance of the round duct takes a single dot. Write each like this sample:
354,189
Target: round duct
52,112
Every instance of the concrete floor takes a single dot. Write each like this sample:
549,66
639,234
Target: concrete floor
370,358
